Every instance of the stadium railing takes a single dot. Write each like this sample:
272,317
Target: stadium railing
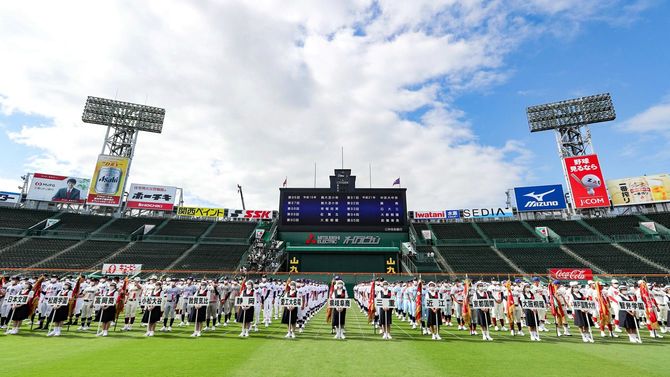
12,232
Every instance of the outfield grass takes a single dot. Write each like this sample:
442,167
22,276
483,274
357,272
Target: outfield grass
315,353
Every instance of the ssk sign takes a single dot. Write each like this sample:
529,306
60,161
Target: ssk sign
249,214
571,273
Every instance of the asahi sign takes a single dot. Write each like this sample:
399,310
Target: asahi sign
571,273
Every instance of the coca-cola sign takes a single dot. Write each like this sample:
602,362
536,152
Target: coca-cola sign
571,273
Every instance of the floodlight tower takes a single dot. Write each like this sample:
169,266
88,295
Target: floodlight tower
124,120
570,120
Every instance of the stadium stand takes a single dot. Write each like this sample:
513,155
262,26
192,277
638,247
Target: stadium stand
474,259
418,227
240,230
424,262
85,255
14,218
6,241
184,228
32,251
538,260
455,231
658,252
505,229
661,218
563,228
616,225
129,225
611,259
73,222
212,257
151,255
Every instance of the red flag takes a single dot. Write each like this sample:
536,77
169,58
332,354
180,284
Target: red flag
121,300
467,315
329,311
510,302
419,299
73,299
371,301
555,305
243,286
604,306
652,320
37,291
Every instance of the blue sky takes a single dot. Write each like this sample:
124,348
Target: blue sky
432,91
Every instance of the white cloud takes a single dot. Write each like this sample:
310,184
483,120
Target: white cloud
654,119
256,91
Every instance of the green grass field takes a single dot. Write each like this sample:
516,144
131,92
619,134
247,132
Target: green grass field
315,353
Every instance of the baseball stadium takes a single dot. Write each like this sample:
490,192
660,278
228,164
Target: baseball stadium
480,246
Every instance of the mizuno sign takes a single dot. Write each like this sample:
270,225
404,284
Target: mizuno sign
539,198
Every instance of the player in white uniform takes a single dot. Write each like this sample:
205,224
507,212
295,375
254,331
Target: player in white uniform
132,303
9,289
498,314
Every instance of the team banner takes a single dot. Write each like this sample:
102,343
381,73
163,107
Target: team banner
339,303
197,301
108,181
202,212
57,300
151,301
631,305
586,181
639,190
571,273
249,214
533,304
58,188
385,303
584,305
290,301
435,303
9,197
480,213
245,301
103,301
539,198
17,300
155,198
429,215
121,269
483,303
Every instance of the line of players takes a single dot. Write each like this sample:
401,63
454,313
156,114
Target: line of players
219,294
405,295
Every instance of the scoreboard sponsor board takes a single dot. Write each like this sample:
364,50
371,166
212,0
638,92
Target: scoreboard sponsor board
371,210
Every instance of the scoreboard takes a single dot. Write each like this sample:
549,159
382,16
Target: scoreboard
358,210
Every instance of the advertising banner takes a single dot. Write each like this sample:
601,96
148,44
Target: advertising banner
121,269
249,214
539,198
155,198
646,189
58,188
9,197
453,214
201,212
429,215
480,213
108,181
586,181
571,273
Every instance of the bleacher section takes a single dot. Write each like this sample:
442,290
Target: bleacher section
73,222
152,255
6,241
240,230
184,228
418,227
455,231
661,218
212,257
423,262
474,259
616,225
505,229
129,225
658,252
15,218
563,228
611,259
32,251
85,255
538,260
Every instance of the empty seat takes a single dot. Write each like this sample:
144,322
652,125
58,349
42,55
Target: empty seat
455,231
80,223
184,228
151,255
129,225
32,251
539,260
657,251
505,229
562,227
612,259
474,259
18,218
213,257
85,255
616,225
240,230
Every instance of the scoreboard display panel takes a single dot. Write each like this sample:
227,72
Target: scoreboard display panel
360,210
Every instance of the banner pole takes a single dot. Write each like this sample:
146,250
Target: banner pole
53,315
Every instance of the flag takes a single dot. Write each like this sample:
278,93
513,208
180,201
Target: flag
121,300
288,282
73,299
604,306
285,182
466,313
510,303
396,182
371,301
652,320
243,286
419,299
37,291
2,282
555,305
329,311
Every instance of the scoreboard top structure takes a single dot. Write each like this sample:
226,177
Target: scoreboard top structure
114,113
342,207
571,113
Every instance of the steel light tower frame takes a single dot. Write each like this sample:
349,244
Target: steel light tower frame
570,120
124,120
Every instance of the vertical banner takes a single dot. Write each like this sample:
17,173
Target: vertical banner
108,181
585,179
